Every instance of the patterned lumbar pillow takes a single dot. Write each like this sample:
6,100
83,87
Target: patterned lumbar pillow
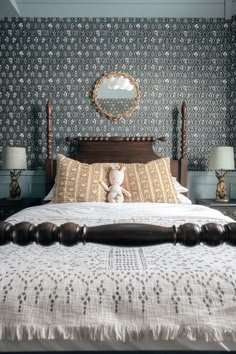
178,187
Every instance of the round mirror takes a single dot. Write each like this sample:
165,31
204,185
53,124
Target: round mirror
116,95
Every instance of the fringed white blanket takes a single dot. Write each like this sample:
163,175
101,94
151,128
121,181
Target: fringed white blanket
100,292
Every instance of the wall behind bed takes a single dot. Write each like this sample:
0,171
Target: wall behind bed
171,59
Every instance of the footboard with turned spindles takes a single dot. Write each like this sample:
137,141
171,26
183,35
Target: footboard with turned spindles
122,235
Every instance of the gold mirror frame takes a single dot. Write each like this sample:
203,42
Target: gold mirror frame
113,75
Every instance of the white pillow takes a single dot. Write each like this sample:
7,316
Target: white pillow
178,187
182,199
49,196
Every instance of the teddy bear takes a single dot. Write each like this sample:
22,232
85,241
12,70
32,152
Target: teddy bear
115,191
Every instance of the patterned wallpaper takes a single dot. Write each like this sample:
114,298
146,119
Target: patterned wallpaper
171,60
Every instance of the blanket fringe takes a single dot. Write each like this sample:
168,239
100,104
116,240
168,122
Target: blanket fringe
118,333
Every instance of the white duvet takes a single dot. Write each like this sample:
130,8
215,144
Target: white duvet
93,214
100,292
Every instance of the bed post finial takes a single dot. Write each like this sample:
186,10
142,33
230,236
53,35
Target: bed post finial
183,131
49,126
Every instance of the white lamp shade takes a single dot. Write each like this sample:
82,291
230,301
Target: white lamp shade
15,158
222,158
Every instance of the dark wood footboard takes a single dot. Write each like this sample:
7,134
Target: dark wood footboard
122,235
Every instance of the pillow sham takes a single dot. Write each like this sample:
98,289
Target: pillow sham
182,199
150,182
50,195
178,187
79,182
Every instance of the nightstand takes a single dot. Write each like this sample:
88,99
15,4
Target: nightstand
9,206
227,208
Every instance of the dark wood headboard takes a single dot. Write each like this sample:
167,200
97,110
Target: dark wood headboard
117,149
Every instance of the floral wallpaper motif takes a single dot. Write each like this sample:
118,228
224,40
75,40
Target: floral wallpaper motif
171,59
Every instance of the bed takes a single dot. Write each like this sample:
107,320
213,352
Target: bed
129,279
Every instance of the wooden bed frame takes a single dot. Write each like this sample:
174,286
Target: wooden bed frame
124,150
117,149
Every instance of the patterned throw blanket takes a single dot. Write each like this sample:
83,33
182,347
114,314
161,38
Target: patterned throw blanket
100,292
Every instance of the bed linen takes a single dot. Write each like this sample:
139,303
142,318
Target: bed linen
103,293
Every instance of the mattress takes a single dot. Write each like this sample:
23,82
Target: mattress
103,296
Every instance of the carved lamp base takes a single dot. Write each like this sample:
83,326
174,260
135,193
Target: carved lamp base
221,194
14,187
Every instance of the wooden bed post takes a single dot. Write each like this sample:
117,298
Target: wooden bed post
49,163
183,161
183,131
49,130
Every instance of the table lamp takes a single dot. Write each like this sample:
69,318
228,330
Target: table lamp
221,160
15,159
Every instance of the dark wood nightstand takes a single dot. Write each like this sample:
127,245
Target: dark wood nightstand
9,207
227,208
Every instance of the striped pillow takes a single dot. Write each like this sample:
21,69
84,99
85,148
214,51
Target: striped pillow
79,182
150,182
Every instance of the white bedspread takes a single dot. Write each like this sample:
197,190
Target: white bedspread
100,292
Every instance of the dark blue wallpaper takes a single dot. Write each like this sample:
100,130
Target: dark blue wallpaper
171,60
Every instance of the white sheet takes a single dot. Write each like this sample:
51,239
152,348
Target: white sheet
93,214
99,292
